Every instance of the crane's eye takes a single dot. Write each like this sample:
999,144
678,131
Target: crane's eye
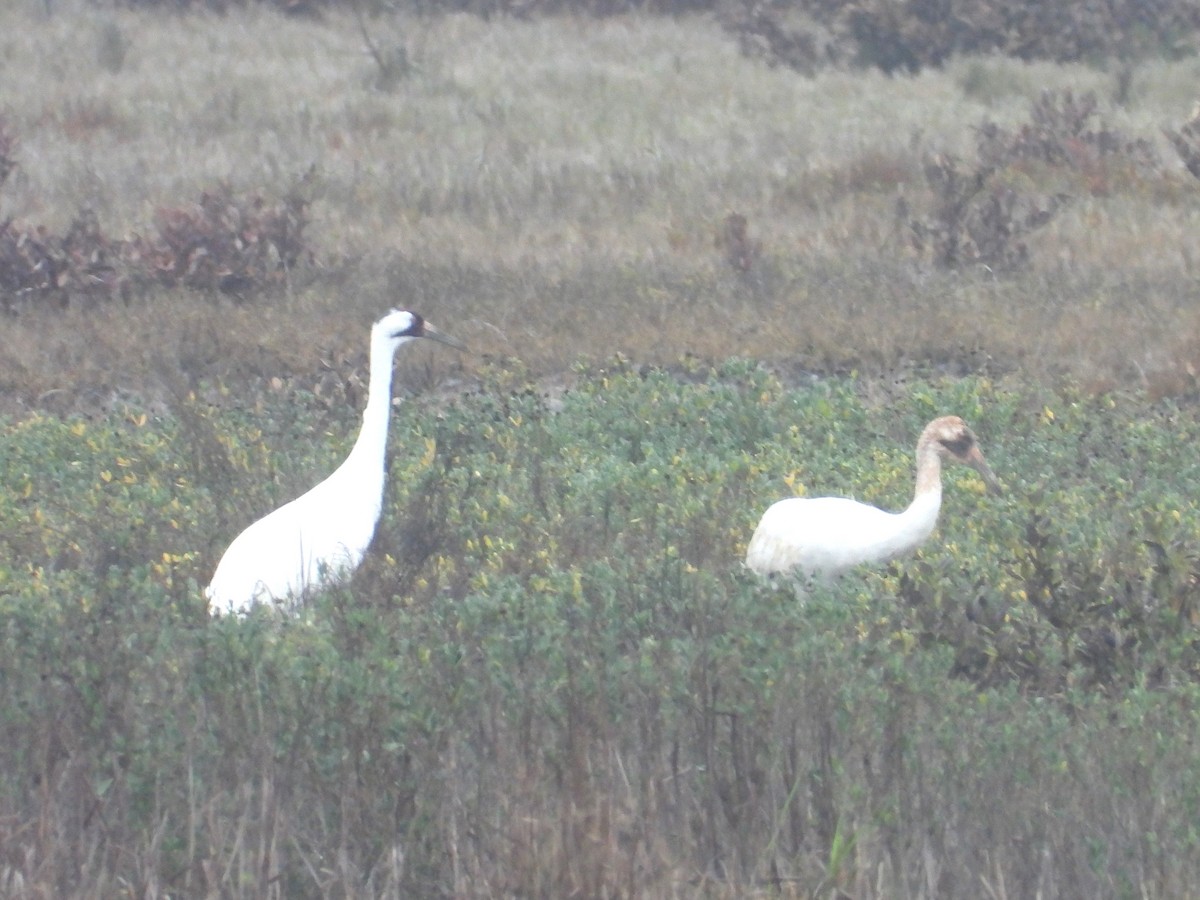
415,328
958,446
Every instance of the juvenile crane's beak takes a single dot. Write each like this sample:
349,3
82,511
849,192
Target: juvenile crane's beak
975,460
428,331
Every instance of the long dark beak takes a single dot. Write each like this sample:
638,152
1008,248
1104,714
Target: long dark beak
441,337
975,460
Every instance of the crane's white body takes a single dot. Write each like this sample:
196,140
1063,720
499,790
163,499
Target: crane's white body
321,537
828,535
825,536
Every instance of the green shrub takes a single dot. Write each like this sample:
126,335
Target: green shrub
554,665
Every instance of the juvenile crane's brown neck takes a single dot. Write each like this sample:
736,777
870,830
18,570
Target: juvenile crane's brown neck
929,468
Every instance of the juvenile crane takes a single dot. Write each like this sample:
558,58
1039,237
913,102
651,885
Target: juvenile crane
320,538
825,536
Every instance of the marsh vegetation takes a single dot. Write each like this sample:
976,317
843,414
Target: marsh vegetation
693,283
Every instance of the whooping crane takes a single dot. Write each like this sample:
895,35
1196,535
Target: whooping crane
825,536
321,537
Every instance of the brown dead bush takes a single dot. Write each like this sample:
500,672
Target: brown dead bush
222,242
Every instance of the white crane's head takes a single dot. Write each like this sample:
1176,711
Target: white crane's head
400,325
951,439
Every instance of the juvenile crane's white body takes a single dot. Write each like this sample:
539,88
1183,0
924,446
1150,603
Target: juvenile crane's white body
825,536
320,538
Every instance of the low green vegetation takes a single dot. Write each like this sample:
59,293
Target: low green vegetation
553,677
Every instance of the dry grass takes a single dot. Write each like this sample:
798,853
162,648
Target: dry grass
555,189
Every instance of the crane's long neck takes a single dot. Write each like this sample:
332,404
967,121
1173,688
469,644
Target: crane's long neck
367,458
921,516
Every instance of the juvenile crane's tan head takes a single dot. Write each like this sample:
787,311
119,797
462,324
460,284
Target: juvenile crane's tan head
951,439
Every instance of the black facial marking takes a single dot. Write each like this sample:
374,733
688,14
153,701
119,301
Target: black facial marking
415,329
958,446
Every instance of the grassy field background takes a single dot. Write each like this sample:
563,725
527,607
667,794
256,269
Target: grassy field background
552,677
555,190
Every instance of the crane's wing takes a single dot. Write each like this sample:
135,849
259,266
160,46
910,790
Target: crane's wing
821,535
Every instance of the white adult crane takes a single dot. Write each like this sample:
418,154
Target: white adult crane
321,537
825,536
